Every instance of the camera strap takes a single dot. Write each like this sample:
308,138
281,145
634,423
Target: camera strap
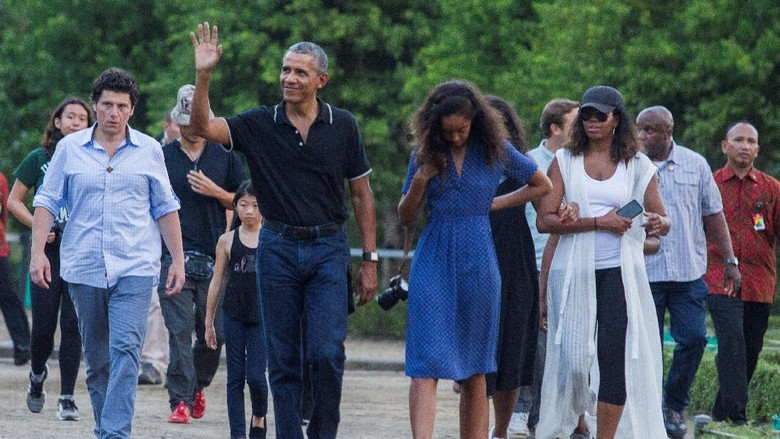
407,248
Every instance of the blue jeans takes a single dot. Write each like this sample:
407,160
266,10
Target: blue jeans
246,363
191,366
293,275
112,322
731,401
687,304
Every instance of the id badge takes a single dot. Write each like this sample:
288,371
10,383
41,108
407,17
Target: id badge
758,221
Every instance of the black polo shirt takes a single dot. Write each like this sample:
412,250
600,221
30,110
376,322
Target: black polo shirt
299,183
202,218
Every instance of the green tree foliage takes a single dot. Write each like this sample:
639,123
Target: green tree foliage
710,62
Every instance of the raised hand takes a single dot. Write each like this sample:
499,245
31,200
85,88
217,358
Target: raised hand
207,51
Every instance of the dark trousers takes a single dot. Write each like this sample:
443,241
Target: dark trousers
687,304
47,306
727,319
755,318
192,366
612,320
293,275
13,309
246,364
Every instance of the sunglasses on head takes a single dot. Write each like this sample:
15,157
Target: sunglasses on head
588,113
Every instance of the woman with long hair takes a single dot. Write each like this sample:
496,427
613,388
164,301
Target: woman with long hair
519,317
71,115
454,282
598,304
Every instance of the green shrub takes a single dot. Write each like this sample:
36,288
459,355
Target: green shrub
763,394
371,320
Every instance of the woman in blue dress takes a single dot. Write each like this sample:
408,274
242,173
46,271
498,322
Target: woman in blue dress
454,283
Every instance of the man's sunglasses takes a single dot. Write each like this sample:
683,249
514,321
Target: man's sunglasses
588,113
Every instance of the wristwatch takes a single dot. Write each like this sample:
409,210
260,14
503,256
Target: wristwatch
731,261
371,256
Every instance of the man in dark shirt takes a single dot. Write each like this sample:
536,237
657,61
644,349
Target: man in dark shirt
299,153
204,176
751,203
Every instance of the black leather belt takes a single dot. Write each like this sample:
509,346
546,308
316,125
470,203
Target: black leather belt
302,232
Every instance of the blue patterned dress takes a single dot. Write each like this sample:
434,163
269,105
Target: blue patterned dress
454,283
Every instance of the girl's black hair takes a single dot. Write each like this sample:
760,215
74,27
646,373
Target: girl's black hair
244,189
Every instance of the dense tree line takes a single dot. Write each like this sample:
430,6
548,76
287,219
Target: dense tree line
710,61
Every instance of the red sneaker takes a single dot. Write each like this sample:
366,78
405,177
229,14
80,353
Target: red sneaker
199,405
180,415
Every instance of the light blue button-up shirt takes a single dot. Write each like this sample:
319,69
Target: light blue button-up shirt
689,193
113,204
543,158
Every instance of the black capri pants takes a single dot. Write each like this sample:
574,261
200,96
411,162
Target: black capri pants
612,321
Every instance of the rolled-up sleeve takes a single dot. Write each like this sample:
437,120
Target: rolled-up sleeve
162,199
54,190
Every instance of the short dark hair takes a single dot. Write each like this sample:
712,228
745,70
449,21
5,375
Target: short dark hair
733,124
554,112
118,81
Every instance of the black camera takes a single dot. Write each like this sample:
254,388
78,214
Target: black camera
398,290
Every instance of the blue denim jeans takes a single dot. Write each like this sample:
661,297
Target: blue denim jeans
731,401
687,304
293,275
112,322
191,366
246,363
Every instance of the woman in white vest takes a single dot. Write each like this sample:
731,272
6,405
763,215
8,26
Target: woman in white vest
598,304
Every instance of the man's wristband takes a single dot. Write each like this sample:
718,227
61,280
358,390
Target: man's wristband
370,257
731,261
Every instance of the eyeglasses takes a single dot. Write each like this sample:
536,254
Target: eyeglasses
589,113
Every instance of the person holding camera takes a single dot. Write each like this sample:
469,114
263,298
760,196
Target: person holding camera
598,304
454,284
204,177
52,304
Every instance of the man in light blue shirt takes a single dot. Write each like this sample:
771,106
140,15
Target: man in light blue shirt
693,203
556,122
113,181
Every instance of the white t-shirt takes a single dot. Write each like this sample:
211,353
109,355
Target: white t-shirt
604,196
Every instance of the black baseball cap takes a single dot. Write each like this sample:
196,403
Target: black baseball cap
602,98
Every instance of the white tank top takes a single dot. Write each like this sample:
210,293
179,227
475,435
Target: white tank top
604,196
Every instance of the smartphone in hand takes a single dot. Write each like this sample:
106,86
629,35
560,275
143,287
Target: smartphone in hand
630,210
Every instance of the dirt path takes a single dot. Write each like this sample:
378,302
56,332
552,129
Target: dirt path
374,405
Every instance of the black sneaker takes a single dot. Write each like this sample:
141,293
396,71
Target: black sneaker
36,396
67,410
674,422
149,375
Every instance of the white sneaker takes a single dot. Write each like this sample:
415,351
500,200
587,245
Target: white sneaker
518,424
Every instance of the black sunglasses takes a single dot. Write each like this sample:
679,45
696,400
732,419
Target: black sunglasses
588,113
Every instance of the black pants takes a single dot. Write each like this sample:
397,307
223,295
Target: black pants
13,309
740,328
47,306
612,320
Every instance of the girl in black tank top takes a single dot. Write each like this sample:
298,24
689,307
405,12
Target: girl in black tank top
244,336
